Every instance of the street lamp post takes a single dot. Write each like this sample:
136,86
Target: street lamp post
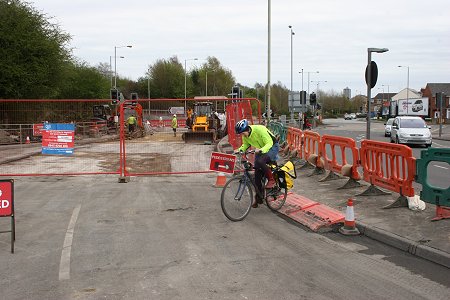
308,78
388,99
185,81
110,69
115,62
407,90
369,83
292,95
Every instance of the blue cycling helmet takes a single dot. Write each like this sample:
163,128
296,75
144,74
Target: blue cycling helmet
241,126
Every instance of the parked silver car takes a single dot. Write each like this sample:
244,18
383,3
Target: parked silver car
388,127
411,130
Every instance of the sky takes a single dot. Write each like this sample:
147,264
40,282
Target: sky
330,36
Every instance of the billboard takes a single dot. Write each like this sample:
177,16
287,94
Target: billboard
413,107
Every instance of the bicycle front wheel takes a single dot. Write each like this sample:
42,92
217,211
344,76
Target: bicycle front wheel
236,199
276,197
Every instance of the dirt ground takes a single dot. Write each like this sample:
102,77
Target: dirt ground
136,162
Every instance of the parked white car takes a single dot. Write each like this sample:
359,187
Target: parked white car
388,127
411,130
347,117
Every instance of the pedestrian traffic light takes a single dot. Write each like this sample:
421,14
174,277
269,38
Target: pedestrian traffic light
114,93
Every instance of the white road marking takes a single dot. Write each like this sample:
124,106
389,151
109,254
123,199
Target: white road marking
64,265
436,144
440,167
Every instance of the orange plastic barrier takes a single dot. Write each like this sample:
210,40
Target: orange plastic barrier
343,143
237,110
294,140
311,143
389,166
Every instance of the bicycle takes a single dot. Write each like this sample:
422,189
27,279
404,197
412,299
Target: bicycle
237,194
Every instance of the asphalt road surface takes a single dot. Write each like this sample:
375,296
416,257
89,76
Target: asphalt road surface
166,238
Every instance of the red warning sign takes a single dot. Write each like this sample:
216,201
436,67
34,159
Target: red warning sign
6,198
221,162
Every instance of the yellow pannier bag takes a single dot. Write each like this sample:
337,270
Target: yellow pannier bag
286,175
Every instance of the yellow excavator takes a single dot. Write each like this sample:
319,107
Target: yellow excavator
203,124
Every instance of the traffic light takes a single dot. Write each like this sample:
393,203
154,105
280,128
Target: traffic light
114,93
235,92
303,97
312,98
134,96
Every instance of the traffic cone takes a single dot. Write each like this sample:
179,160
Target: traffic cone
220,180
27,141
349,227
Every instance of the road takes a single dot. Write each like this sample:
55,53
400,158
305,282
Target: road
438,173
166,238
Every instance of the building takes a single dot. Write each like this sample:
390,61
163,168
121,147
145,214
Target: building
381,104
430,92
347,93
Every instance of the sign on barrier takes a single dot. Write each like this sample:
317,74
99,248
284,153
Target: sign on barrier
7,206
222,162
58,139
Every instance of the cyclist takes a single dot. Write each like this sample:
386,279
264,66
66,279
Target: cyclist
266,150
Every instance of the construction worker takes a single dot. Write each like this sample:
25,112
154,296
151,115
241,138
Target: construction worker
174,125
266,151
131,121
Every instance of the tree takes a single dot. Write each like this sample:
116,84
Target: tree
82,81
220,79
167,78
33,52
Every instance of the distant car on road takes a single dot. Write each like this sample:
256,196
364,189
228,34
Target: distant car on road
347,117
353,115
410,130
388,127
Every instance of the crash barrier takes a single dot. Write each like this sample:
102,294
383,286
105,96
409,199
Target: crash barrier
340,163
295,141
279,130
384,165
439,196
390,166
102,142
311,142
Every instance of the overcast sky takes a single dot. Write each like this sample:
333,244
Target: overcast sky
331,36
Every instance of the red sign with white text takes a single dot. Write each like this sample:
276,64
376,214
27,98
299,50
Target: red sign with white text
6,198
58,139
221,162
37,129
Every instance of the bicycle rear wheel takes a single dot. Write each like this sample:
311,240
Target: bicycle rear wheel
276,197
236,199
